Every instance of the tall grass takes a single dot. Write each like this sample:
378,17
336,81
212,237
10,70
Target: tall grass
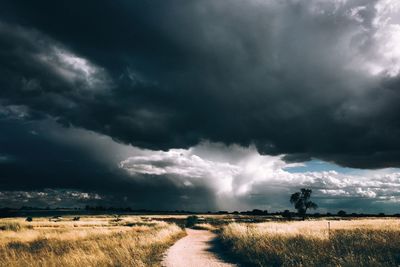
75,244
350,243
14,226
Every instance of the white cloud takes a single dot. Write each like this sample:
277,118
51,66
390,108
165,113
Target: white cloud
48,197
74,69
378,37
182,165
236,173
51,56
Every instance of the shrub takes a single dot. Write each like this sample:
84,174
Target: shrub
29,219
13,226
341,213
191,221
286,214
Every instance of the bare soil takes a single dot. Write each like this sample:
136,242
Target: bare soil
198,248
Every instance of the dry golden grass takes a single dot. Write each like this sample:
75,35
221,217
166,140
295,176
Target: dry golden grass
99,241
368,242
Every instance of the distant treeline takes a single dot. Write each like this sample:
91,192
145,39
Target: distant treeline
288,214
93,210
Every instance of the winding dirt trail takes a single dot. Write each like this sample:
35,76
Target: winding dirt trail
195,249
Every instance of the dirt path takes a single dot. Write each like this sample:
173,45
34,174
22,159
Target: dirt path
195,249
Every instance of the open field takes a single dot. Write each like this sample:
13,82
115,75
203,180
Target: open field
91,241
141,240
365,242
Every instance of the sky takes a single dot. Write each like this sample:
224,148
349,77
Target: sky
200,104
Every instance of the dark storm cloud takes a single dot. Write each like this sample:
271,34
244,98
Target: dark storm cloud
303,78
42,164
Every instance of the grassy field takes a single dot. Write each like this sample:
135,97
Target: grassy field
141,240
365,242
91,241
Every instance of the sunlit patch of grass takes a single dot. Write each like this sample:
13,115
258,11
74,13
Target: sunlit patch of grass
88,242
349,243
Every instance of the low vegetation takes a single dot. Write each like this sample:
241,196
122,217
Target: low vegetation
100,241
205,226
191,221
14,226
142,240
374,242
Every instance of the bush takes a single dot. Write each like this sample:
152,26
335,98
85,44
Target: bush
191,221
29,219
286,214
13,226
341,213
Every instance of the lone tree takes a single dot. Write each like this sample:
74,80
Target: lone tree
301,201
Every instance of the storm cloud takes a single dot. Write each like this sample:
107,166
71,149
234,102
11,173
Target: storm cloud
292,80
241,178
